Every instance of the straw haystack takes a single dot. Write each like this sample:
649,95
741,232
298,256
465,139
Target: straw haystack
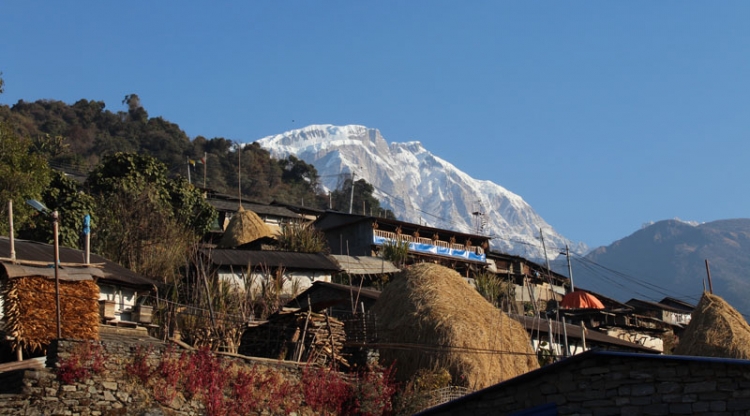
716,329
430,317
244,227
31,311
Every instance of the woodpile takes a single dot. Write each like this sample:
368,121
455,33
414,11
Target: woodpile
301,336
321,341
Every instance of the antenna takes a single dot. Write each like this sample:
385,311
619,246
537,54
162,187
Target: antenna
479,218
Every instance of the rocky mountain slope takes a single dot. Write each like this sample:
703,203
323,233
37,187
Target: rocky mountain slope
420,187
667,258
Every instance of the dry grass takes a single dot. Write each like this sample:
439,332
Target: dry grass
716,329
453,326
244,227
31,312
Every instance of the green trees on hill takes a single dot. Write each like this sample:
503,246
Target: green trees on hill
23,175
146,220
76,137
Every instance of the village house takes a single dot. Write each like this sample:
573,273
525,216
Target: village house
553,339
291,272
669,310
274,216
621,321
121,291
360,235
532,287
92,296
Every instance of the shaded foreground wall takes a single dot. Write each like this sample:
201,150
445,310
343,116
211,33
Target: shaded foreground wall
607,383
112,392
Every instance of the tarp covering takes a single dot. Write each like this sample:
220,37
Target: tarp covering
579,299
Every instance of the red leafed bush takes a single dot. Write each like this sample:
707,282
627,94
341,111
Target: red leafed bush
85,360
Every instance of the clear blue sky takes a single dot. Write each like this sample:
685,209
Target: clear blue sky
601,115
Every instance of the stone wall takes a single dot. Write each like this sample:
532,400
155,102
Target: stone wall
111,392
605,383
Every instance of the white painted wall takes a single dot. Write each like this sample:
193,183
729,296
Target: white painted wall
294,282
646,340
124,299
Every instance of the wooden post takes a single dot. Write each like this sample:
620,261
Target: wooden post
565,336
56,229
12,243
330,335
304,332
710,284
583,336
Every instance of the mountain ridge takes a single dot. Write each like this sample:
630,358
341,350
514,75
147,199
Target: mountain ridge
669,257
419,186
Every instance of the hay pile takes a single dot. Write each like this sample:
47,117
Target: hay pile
31,311
429,317
716,329
244,227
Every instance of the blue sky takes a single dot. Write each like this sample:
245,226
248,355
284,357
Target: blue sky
601,115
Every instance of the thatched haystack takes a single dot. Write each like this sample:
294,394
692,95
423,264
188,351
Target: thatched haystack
716,329
430,317
244,227
31,311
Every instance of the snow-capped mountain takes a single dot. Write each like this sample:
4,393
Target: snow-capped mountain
420,187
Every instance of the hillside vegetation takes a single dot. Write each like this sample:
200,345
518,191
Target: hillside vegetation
76,137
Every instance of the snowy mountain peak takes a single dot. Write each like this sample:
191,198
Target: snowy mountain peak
420,187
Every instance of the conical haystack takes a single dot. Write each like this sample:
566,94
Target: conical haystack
429,317
716,329
244,227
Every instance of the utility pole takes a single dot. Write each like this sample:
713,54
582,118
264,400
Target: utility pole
570,269
544,247
351,199
188,168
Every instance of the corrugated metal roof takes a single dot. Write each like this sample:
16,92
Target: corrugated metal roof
63,273
35,251
260,209
323,295
364,264
335,219
287,259
645,304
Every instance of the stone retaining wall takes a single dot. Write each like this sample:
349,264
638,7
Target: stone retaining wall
111,392
602,383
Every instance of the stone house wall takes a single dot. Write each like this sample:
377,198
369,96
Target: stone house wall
606,383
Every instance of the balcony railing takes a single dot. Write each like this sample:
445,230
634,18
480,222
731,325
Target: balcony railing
423,240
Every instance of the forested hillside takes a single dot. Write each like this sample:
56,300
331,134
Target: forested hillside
76,137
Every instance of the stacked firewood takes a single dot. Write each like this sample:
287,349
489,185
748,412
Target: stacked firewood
321,339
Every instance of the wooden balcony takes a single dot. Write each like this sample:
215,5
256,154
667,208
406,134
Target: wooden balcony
424,240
